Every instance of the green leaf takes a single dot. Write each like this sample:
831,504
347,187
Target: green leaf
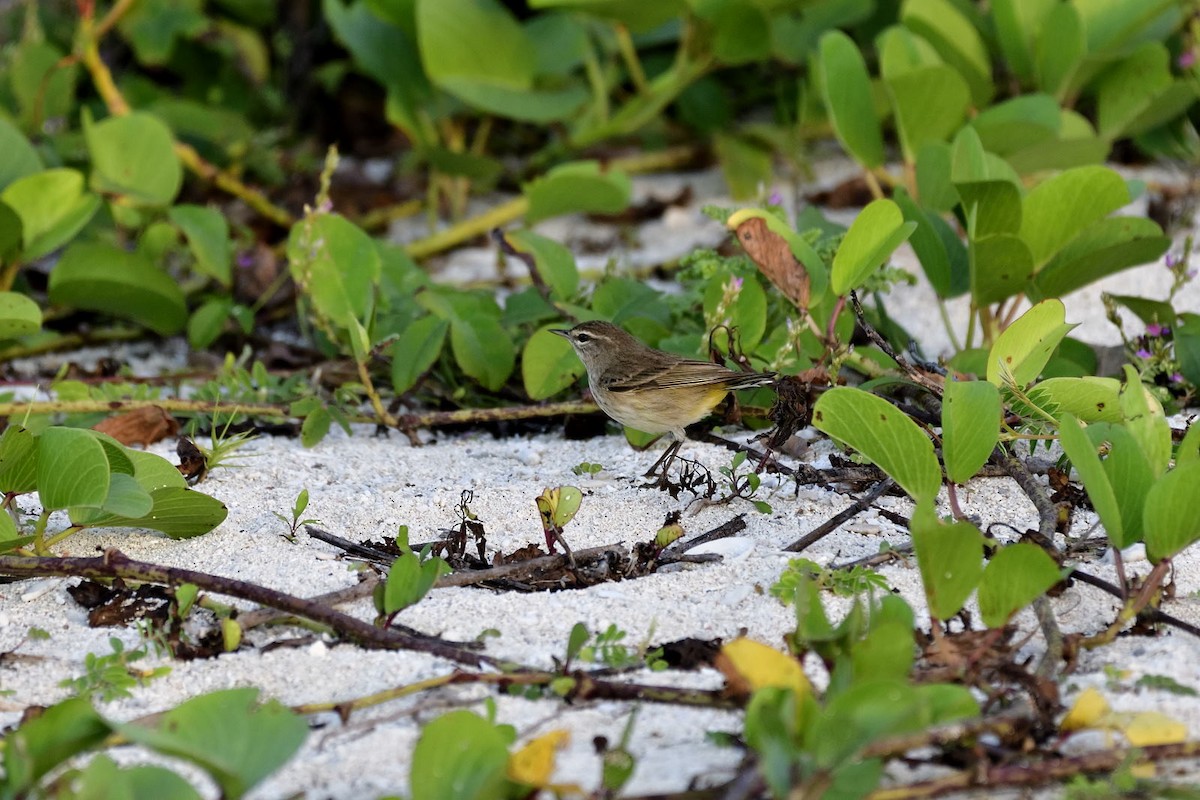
52,206
884,434
229,734
47,740
178,512
19,315
999,267
875,233
72,469
1024,347
1188,451
971,414
101,277
582,186
102,779
846,90
477,50
1187,347
18,460
1169,517
747,314
152,27
941,253
154,472
1014,577
934,188
42,81
1082,452
125,498
20,159
1104,248
638,15
929,105
1090,398
1018,23
207,322
950,556
416,351
1146,421
133,155
484,350
957,41
555,263
1018,123
548,364
409,579
1059,49
336,264
1129,474
460,756
1058,209
207,233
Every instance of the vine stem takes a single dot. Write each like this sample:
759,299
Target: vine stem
115,564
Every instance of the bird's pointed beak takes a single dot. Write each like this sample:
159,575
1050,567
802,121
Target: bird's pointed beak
563,332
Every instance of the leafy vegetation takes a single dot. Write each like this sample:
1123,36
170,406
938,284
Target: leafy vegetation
137,134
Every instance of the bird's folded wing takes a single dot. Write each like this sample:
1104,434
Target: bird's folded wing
678,374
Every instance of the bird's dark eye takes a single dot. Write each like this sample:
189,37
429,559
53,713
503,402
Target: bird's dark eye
583,337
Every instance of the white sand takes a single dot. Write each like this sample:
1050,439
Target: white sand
363,487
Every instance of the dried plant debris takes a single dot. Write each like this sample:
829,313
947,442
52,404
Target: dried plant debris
119,605
142,426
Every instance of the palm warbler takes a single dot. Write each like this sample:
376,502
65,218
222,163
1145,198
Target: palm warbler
650,390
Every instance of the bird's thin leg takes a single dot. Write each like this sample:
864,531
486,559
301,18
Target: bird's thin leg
664,461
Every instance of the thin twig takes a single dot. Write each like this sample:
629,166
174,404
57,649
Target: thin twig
857,507
115,564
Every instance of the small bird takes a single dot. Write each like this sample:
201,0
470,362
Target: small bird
649,390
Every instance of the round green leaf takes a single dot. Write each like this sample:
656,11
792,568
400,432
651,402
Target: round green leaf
178,512
1059,208
53,207
846,89
208,321
1090,398
875,233
100,277
134,155
337,264
233,737
548,364
971,412
483,350
577,187
1169,516
416,350
460,756
20,159
555,263
1013,578
950,556
956,39
929,105
1025,346
884,434
72,469
207,233
1104,248
19,316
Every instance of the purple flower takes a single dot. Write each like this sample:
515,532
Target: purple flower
776,199
1143,353
1176,377
1186,59
735,284
245,259
1172,260
1190,274
1154,329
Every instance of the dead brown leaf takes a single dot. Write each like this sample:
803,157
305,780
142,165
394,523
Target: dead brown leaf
142,426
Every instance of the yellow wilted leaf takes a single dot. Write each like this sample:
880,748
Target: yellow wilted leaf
1089,708
1152,727
753,665
533,764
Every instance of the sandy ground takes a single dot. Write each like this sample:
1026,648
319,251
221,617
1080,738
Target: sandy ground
362,487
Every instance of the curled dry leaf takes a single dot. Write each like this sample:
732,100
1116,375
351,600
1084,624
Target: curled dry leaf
142,426
774,258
